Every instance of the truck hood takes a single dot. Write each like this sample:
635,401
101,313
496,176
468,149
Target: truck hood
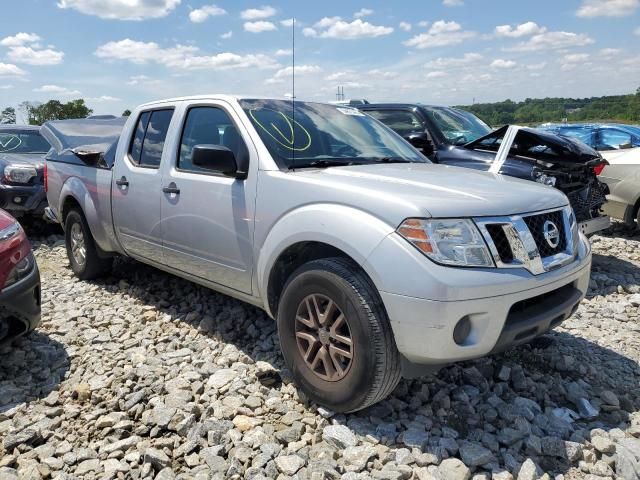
427,190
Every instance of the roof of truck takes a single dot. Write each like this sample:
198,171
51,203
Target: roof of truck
225,97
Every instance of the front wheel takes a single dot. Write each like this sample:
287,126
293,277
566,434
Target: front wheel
81,248
335,336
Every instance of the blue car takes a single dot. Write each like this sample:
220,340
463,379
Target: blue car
604,137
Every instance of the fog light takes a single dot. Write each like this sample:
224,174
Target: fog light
17,200
462,330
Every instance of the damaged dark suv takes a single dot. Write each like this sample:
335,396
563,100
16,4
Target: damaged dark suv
452,136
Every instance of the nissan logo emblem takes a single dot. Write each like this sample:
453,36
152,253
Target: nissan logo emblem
551,234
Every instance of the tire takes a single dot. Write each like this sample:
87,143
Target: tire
373,370
77,230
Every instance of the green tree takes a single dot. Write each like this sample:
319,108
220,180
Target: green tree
8,115
39,113
126,113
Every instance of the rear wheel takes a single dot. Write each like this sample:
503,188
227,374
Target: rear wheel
81,248
335,336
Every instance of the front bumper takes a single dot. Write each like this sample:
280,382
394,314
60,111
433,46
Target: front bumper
23,199
504,307
20,306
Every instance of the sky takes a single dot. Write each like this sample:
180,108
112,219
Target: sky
117,54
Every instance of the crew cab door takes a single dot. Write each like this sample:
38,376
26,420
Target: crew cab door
207,217
137,184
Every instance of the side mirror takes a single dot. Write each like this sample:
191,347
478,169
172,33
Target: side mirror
624,146
216,158
421,141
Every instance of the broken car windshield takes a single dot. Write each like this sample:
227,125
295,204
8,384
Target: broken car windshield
323,135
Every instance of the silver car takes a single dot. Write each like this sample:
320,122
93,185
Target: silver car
374,262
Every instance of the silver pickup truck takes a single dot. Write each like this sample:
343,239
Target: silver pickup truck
374,262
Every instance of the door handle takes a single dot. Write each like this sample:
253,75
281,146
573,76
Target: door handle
123,182
172,188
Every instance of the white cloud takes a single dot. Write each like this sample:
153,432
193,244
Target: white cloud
609,52
553,41
11,70
19,39
258,13
338,76
34,56
57,90
122,9
440,34
436,74
284,52
576,57
522,30
103,98
183,57
363,12
281,75
406,26
423,23
335,27
288,22
382,73
499,63
227,35
259,26
637,31
455,62
141,80
201,14
6,87
537,66
453,3
607,8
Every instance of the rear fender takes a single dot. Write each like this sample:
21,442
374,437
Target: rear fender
100,227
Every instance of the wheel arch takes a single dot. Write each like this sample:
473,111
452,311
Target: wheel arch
310,233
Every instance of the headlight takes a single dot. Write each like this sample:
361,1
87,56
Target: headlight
448,241
19,173
21,270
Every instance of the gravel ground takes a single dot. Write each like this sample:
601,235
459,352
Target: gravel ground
143,375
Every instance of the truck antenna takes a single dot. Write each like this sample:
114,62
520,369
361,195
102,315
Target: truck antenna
293,88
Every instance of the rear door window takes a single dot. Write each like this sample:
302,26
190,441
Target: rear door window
148,141
612,139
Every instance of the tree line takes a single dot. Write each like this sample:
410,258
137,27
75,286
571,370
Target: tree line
35,113
615,108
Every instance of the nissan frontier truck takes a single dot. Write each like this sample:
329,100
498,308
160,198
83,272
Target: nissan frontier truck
374,262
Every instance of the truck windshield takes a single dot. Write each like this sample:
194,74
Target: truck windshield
320,135
457,126
22,141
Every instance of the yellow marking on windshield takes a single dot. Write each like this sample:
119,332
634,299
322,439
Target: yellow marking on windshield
290,142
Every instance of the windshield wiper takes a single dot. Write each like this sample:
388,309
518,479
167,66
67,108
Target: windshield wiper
391,160
324,163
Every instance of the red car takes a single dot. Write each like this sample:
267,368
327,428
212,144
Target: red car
19,281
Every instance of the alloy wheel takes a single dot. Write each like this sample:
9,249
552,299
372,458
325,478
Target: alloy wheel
323,337
78,247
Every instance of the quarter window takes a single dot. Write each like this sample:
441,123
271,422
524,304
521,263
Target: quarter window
148,141
208,126
402,121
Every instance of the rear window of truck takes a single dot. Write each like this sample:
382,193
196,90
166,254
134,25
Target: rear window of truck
148,141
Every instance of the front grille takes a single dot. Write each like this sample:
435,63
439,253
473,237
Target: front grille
531,306
500,240
537,242
536,224
586,202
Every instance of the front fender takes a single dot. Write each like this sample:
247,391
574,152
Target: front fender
353,231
